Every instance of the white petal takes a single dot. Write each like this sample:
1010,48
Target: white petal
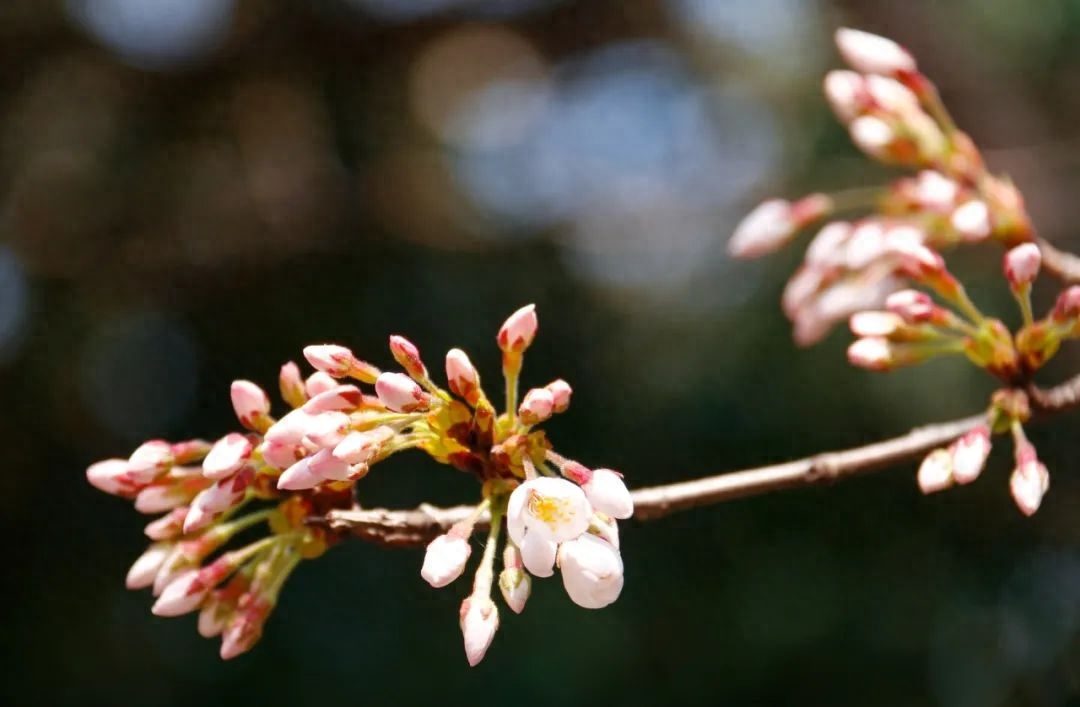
538,554
608,494
592,571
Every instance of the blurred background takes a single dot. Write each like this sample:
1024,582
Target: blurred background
192,190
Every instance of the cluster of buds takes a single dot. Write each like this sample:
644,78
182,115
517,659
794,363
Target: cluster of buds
884,271
285,470
894,114
557,511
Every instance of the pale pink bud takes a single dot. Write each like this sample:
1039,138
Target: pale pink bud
191,450
934,191
971,220
592,571
518,331
827,247
536,406
184,594
912,306
608,494
158,499
400,393
298,477
112,477
291,428
872,54
845,92
168,526
325,466
873,353
341,397
408,356
560,394
479,619
969,454
516,586
145,569
291,385
1022,264
281,455
228,456
891,95
331,359
361,447
326,430
318,383
872,135
217,498
936,471
1029,481
150,460
801,288
245,626
445,559
1066,307
213,618
875,324
764,230
866,244
462,376
251,404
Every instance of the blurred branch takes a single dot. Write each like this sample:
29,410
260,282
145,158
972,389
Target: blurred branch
420,525
1062,265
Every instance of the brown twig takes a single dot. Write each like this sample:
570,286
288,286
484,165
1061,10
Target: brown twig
1061,264
420,525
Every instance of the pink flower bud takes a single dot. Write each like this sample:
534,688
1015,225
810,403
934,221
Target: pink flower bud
251,404
891,96
936,471
872,54
228,456
935,192
608,494
158,499
145,568
445,559
764,230
846,94
150,460
326,430
400,393
913,306
184,594
1067,305
827,247
245,627
361,447
318,383
191,450
518,331
875,324
331,359
971,220
560,394
462,377
969,454
873,353
216,499
1022,263
213,618
326,467
291,385
281,455
516,586
167,527
408,356
112,477
298,477
341,397
479,618
872,135
1029,481
291,428
536,406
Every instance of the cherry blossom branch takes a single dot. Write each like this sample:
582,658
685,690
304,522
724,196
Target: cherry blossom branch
404,528
1061,264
